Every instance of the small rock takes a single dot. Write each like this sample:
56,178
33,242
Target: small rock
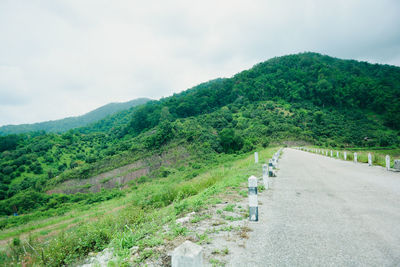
183,220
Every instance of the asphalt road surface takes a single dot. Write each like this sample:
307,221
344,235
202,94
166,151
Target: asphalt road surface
322,211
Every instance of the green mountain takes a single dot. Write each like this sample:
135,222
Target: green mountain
310,97
66,124
154,152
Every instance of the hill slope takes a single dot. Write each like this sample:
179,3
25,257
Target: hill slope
66,124
309,97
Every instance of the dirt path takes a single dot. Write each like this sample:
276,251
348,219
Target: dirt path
326,212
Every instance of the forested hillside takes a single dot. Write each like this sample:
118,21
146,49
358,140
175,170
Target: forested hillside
309,97
66,124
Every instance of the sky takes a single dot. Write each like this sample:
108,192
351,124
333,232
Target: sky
65,58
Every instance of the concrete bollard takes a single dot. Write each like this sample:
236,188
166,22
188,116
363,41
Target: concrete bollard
331,153
355,157
253,202
396,165
274,162
256,157
187,254
387,159
265,175
326,153
270,168
345,155
337,154
369,159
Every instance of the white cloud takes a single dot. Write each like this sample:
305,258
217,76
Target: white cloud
63,58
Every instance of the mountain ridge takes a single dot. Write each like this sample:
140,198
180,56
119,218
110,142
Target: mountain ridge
65,124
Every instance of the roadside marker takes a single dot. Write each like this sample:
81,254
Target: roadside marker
265,175
253,202
387,162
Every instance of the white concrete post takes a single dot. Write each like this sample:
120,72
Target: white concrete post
270,168
396,165
256,157
369,159
265,175
337,154
331,154
387,159
253,202
355,157
345,155
326,153
187,254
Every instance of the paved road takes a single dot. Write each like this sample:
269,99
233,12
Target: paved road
326,212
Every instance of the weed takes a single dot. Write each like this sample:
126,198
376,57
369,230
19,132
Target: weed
198,218
219,222
232,218
227,228
203,239
243,232
215,251
177,230
229,207
216,262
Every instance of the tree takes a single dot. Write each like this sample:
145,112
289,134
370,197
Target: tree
230,142
8,142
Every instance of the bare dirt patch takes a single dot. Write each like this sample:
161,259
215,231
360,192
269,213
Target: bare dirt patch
119,177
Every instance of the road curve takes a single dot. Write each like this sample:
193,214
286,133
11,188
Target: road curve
322,211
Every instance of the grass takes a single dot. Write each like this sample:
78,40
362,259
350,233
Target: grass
216,262
229,207
199,218
144,217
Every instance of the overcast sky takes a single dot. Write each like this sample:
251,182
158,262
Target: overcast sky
65,58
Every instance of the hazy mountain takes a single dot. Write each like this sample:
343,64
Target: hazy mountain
66,124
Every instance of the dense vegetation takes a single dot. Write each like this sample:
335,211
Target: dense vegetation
304,78
66,124
310,97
